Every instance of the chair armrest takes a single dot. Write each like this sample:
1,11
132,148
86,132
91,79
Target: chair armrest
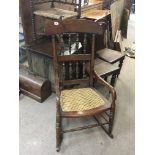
107,85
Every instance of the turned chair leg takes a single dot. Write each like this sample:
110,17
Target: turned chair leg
120,66
113,80
105,78
111,120
59,135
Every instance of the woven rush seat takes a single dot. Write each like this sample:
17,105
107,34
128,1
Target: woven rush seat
80,99
109,55
55,13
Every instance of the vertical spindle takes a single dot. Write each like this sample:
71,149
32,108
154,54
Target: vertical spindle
69,43
84,51
77,48
77,42
77,69
70,70
70,52
33,19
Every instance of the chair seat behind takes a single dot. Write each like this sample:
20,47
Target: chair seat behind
56,13
109,55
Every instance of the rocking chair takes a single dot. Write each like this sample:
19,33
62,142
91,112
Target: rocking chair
75,93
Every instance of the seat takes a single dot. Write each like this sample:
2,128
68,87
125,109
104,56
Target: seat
82,99
76,95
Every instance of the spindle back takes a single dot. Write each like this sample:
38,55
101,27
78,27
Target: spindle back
70,40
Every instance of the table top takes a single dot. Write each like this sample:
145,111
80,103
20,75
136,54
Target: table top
96,14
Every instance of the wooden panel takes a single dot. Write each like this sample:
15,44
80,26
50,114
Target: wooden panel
34,86
96,14
73,26
128,4
43,47
110,56
40,1
97,4
42,66
116,16
77,81
104,69
90,112
124,24
26,18
74,57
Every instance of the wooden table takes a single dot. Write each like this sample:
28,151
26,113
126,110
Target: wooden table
96,14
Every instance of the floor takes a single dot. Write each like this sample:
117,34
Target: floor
37,121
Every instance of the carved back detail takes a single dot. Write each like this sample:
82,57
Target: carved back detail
71,52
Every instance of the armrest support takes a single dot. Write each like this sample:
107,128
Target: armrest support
107,85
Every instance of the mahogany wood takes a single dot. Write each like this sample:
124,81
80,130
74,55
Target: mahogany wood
77,81
87,112
84,127
72,26
41,46
58,3
71,68
96,14
110,56
104,69
103,127
124,23
33,86
26,18
73,58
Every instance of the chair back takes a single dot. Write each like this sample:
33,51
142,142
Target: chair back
73,43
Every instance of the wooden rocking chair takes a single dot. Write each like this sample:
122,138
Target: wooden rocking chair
75,92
